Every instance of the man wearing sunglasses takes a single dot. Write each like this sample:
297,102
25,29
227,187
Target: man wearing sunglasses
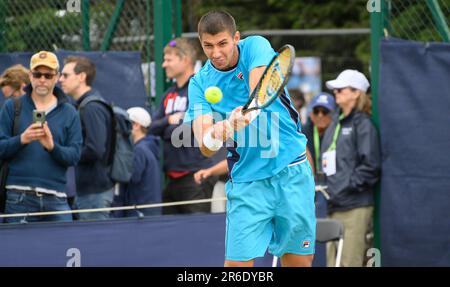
41,151
320,112
95,188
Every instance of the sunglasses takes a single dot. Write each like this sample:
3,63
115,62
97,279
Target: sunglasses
65,75
324,111
173,43
339,90
38,75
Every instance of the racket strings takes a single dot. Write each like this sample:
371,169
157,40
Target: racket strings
271,84
284,61
274,78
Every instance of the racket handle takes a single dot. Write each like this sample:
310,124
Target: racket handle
249,106
254,114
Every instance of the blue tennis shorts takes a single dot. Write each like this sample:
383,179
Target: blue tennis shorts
276,212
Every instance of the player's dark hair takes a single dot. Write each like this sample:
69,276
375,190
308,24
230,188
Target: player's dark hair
215,22
82,65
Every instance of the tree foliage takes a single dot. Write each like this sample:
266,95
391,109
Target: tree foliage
408,19
336,52
30,25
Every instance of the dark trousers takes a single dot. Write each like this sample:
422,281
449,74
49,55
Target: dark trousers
185,188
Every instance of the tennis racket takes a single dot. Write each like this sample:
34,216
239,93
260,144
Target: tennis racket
273,80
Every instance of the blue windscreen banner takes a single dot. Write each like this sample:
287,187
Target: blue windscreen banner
167,241
414,112
196,240
190,240
119,76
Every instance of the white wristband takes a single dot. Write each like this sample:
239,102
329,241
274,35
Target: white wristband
210,143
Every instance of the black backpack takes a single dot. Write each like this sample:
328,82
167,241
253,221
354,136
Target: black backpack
120,158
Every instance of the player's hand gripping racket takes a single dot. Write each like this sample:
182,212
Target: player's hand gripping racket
273,80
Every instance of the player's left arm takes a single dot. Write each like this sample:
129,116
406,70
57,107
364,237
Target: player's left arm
255,76
259,53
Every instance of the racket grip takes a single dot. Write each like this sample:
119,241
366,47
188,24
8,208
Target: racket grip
253,114
246,108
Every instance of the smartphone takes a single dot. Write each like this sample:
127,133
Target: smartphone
39,117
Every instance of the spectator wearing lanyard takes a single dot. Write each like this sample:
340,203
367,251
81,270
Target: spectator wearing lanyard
320,113
351,162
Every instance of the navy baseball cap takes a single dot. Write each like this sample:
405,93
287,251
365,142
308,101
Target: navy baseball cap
322,100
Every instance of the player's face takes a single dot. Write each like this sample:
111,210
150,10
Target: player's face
221,49
174,65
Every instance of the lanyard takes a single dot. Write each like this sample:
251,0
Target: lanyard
336,134
316,146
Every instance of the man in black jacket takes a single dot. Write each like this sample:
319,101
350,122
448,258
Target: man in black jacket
180,162
95,189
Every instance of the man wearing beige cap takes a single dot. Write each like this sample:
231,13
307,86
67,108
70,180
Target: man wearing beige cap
48,141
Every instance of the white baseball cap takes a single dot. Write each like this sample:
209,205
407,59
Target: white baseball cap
349,78
140,115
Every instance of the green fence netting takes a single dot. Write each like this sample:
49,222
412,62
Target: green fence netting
32,25
418,20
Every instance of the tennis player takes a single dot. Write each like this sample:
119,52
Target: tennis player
270,189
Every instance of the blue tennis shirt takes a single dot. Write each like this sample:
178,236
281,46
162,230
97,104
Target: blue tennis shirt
269,143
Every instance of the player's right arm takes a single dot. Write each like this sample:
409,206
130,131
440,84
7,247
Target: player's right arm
219,132
210,136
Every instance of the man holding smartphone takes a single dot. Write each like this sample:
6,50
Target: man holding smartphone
48,142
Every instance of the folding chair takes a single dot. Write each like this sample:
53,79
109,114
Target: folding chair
327,230
331,230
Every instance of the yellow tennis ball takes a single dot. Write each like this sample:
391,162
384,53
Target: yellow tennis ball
213,95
